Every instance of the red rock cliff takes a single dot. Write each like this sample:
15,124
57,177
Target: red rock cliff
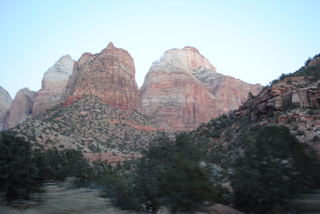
21,108
110,75
183,89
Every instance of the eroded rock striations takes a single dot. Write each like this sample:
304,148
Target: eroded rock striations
292,92
53,84
21,108
5,103
110,75
183,89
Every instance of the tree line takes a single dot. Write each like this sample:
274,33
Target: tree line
175,173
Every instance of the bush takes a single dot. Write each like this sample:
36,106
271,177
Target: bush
275,167
23,170
316,139
300,132
18,171
58,165
169,174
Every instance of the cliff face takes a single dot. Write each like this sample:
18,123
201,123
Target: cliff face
53,84
21,108
292,92
5,103
110,75
183,89
231,92
180,91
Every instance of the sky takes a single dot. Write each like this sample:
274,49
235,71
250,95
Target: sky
253,40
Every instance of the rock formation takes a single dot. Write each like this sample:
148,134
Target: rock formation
53,84
291,92
21,108
110,75
5,103
183,89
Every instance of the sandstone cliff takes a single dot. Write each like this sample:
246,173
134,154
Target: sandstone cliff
287,94
5,103
110,75
53,84
21,108
183,89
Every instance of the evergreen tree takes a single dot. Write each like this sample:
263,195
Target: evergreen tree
275,167
18,170
169,174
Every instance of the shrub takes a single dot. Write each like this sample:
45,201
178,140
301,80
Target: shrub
316,139
169,174
310,112
18,171
229,136
275,167
224,116
300,132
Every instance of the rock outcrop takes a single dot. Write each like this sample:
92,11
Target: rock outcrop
5,103
291,92
21,108
53,84
183,89
110,75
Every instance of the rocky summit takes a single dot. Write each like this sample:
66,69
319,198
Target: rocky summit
94,104
53,85
183,89
110,75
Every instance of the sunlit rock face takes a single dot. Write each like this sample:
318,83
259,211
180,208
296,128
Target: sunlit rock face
53,84
110,75
183,89
5,103
21,108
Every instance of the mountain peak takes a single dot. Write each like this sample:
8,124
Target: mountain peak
112,78
183,89
110,46
190,48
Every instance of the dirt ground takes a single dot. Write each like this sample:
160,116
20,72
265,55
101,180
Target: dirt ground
59,199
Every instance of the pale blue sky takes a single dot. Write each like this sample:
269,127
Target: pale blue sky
253,40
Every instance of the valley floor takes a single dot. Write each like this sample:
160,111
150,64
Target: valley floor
58,199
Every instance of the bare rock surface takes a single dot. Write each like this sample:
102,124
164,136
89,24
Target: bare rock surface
53,84
21,108
110,75
5,103
183,89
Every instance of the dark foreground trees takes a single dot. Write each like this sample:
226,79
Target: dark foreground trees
277,166
18,170
23,170
170,175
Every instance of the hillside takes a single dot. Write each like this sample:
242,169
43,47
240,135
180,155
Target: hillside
90,125
292,101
